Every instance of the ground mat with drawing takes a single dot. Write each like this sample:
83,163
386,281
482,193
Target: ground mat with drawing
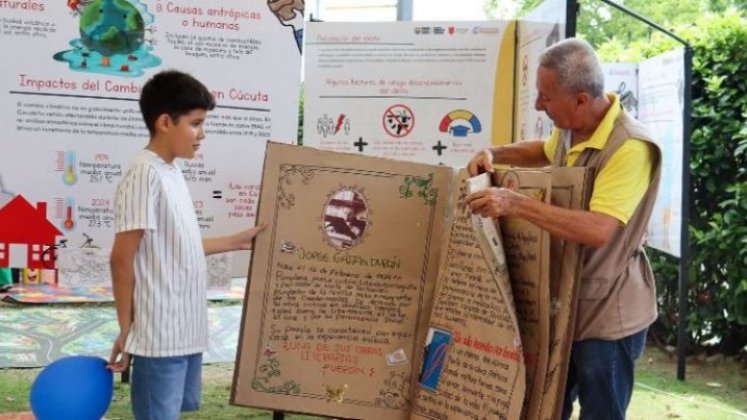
34,336
43,293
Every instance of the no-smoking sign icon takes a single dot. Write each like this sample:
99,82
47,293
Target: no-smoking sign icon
398,120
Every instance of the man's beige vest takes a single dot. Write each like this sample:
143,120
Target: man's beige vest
617,295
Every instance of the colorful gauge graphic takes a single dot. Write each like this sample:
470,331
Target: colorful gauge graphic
459,123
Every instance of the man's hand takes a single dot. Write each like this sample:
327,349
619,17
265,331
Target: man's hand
119,360
481,162
493,202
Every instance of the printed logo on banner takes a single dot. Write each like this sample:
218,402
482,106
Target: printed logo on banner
398,120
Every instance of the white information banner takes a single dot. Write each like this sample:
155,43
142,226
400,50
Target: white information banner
541,27
622,79
419,91
70,122
660,108
533,39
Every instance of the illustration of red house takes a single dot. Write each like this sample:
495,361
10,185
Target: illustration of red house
21,223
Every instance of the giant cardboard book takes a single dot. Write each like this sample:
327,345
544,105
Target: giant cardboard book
374,293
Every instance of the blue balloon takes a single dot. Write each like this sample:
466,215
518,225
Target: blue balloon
72,388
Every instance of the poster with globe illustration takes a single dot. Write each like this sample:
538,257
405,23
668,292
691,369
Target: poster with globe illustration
112,38
70,122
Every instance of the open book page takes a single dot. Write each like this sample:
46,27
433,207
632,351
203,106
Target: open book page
528,256
489,234
571,189
341,283
472,358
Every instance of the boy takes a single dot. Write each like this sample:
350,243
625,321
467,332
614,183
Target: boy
158,257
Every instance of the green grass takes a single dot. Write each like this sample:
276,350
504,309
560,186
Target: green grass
714,390
15,385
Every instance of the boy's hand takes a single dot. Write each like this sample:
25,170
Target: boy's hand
117,363
245,237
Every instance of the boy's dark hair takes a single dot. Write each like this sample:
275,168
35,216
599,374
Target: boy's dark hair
174,93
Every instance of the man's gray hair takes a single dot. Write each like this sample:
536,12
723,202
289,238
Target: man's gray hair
576,65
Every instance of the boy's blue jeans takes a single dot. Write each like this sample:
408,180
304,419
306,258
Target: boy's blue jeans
601,376
162,387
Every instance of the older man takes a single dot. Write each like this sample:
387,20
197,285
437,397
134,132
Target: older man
617,300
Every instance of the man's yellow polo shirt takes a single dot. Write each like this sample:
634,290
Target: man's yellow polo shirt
620,185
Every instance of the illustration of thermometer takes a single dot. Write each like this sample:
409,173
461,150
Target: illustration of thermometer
70,175
69,223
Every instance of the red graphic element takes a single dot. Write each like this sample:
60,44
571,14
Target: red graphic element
398,120
444,125
451,30
69,223
269,352
21,223
340,120
75,5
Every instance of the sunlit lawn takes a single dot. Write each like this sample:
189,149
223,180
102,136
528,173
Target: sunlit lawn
713,391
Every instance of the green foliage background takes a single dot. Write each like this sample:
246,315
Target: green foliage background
717,277
718,167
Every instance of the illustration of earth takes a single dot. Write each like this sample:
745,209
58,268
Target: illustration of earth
112,27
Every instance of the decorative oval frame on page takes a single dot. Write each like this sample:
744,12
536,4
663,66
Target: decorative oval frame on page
345,218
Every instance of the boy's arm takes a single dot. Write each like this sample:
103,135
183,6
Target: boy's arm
238,241
122,263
